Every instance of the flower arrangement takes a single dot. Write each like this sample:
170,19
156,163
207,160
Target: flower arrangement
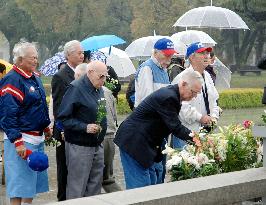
111,84
233,148
50,141
101,111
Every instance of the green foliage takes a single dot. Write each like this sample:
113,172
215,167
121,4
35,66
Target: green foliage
122,106
240,98
232,149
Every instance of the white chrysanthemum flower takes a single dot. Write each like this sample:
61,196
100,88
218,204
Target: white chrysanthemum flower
265,111
202,159
168,150
175,160
193,160
185,155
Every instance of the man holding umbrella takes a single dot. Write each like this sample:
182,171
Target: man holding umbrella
74,54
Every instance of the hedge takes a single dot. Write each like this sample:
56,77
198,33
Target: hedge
241,98
229,99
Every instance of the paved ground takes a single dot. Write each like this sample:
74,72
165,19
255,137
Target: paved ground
51,195
228,116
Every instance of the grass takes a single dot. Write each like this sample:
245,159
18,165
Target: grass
250,80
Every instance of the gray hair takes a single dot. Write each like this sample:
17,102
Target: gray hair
20,50
81,69
192,77
70,47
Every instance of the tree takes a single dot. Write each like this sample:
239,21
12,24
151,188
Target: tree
15,23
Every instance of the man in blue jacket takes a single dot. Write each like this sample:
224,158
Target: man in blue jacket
84,130
141,135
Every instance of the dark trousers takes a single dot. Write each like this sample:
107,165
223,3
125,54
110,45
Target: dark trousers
61,171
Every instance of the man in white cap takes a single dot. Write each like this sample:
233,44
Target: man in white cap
203,109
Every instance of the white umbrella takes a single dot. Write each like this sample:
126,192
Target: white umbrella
192,36
223,75
211,16
141,48
119,60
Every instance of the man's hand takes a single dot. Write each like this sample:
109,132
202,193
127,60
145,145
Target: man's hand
206,120
48,134
93,128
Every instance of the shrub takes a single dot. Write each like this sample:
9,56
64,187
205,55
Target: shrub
229,99
122,106
240,98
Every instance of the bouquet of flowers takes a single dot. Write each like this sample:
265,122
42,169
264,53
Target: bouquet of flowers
233,148
111,84
101,112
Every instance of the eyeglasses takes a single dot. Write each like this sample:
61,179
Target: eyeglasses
194,93
102,76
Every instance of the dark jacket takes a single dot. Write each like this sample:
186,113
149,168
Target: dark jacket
22,104
142,133
78,109
60,83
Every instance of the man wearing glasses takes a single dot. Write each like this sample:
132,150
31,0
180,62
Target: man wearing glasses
202,110
84,132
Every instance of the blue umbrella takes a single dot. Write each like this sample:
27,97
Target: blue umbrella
50,66
96,42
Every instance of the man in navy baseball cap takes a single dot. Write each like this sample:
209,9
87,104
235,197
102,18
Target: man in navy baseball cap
166,46
197,48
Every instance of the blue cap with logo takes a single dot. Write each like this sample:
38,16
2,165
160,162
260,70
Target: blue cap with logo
38,161
165,45
197,48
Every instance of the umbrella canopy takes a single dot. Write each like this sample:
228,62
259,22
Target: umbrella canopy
96,42
223,75
120,61
191,36
141,48
50,66
7,65
211,16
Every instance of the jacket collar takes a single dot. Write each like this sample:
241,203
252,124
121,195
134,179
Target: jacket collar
22,72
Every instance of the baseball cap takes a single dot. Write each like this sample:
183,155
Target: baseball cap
38,161
197,48
165,45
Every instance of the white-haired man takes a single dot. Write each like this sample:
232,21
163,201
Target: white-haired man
141,135
203,109
81,114
74,54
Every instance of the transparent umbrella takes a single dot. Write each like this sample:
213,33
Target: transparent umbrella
191,36
141,48
223,75
211,16
119,60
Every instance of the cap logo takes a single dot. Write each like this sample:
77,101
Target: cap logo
200,45
169,44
